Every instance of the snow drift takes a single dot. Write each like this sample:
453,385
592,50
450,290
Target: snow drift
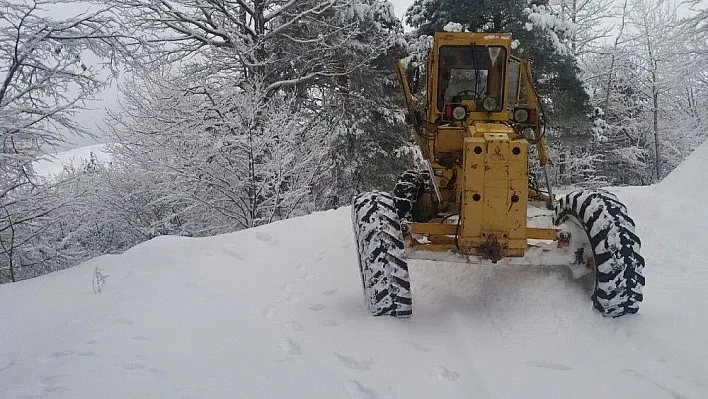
277,312
53,165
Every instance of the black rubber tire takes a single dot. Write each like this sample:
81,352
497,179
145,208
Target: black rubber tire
618,265
383,267
409,187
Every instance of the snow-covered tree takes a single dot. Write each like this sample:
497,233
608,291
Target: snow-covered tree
591,21
289,44
646,84
45,77
335,56
219,155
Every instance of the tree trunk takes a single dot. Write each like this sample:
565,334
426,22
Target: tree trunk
656,128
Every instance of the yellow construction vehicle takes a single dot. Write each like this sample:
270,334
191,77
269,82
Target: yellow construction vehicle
475,123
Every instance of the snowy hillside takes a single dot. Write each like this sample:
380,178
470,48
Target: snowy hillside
276,312
54,164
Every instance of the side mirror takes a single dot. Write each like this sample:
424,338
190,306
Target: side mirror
413,77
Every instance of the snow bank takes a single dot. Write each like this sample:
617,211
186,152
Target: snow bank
691,177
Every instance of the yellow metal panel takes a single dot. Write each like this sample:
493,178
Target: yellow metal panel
518,189
496,174
482,128
449,139
541,234
473,205
466,38
496,180
517,247
432,228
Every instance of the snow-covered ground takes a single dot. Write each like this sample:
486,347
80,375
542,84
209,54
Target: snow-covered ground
54,164
277,312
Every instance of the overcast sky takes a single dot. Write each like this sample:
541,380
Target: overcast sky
401,6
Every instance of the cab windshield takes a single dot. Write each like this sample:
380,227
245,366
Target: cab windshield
471,73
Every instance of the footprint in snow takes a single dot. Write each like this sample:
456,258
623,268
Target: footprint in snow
418,347
6,366
330,292
292,325
354,364
548,365
317,307
62,354
270,312
157,373
141,368
357,390
329,323
295,297
57,390
265,237
290,347
57,355
303,273
53,377
132,366
443,373
233,254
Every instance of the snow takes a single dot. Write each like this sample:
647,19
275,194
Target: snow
54,164
691,176
277,312
453,27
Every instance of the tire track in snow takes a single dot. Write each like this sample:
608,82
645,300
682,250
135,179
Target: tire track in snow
664,388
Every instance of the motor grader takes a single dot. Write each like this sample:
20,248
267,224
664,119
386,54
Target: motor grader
474,199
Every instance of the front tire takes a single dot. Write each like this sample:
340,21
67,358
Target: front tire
613,246
383,268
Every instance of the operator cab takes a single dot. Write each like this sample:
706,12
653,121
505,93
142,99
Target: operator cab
473,76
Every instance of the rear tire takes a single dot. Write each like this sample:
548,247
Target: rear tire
406,192
614,246
383,268
410,185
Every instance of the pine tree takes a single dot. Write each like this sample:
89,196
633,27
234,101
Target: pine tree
371,143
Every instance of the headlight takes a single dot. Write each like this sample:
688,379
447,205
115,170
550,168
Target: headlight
459,112
521,115
489,104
